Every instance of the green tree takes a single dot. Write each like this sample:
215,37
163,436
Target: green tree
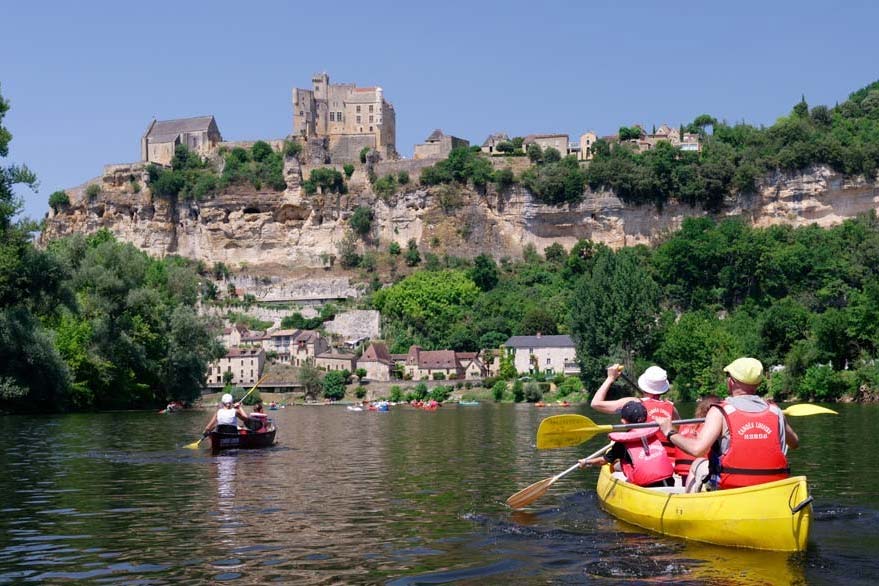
310,379
498,390
484,273
614,312
534,152
334,384
518,391
538,321
532,392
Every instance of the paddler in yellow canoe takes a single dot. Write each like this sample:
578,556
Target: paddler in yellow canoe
746,435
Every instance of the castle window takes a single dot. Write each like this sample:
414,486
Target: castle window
370,128
370,107
332,116
358,109
358,119
370,119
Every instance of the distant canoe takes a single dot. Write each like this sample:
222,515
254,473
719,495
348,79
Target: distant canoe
468,403
243,440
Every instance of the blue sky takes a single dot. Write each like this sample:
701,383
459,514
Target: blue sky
85,78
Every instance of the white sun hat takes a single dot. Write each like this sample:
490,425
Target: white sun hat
227,398
654,381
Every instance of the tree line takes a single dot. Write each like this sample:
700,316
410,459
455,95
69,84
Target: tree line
802,300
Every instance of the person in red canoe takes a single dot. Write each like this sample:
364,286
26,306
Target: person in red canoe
225,417
653,383
683,460
258,420
641,455
746,435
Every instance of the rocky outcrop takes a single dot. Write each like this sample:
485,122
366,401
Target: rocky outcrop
245,225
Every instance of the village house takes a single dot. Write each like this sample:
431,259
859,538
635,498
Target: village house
245,364
349,117
547,354
431,364
336,360
557,141
297,347
587,143
438,145
377,362
161,138
489,147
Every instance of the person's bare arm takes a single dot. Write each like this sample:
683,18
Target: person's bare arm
790,436
599,401
211,424
696,446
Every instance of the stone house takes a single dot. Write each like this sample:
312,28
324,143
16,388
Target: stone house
587,143
297,347
349,117
425,364
245,364
438,145
336,360
161,138
489,147
547,354
232,336
557,141
377,362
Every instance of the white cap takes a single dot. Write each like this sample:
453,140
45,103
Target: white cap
227,398
654,381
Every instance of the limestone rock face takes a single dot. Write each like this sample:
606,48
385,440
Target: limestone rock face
245,225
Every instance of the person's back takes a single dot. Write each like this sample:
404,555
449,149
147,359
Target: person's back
751,447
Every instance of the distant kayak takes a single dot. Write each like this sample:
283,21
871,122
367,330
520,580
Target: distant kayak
468,403
354,408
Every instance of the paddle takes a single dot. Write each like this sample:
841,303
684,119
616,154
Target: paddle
528,495
194,445
562,431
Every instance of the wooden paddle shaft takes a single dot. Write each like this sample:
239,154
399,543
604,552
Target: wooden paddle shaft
589,457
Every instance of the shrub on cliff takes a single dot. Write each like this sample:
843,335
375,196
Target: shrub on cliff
385,186
349,170
329,180
261,166
462,165
363,152
93,191
361,220
58,199
292,148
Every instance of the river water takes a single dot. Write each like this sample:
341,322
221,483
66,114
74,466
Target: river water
406,497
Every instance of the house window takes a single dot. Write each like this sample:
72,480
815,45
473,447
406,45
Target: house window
370,108
549,360
358,120
370,119
332,116
370,128
338,116
358,109
530,350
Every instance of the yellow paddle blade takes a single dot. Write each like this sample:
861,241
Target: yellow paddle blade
804,409
194,445
528,495
563,431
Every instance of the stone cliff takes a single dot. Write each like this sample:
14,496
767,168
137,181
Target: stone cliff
244,225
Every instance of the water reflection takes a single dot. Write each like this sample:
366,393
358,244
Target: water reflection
406,497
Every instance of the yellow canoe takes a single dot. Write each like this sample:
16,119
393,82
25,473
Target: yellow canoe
773,516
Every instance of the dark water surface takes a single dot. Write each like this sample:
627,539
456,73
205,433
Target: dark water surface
406,497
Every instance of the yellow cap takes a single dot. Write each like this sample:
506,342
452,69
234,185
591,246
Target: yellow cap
745,370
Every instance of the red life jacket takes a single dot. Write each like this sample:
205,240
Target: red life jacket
683,460
755,453
649,461
659,408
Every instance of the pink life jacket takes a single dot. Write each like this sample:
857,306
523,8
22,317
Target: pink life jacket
650,462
